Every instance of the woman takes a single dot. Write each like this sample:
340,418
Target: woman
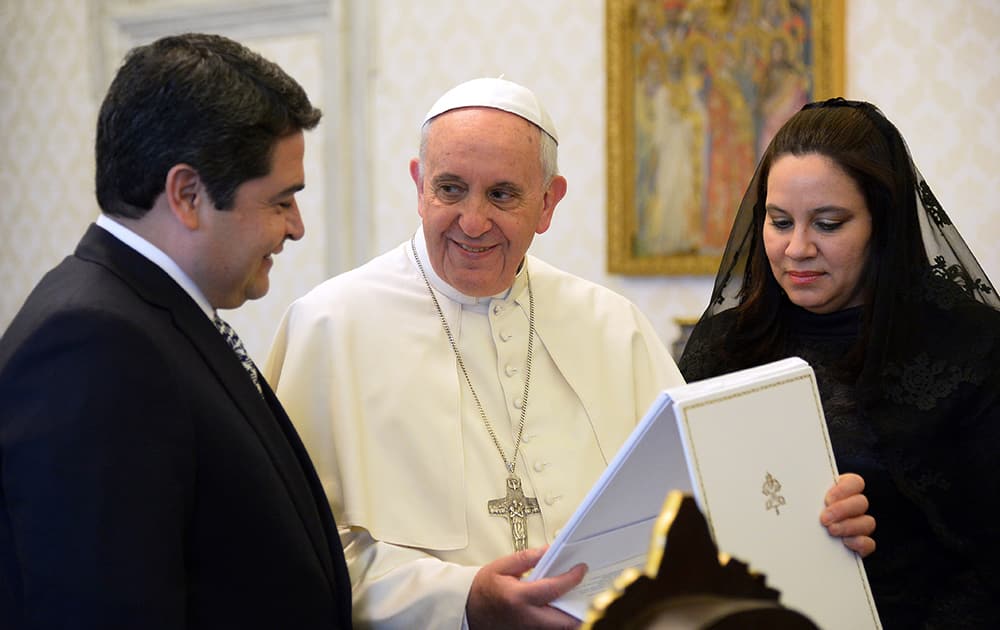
841,254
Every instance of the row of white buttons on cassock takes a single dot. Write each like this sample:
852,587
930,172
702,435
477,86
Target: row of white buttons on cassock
512,371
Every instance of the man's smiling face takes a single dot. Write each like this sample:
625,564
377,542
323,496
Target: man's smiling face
482,197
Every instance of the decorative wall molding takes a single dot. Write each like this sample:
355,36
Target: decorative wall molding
122,24
344,29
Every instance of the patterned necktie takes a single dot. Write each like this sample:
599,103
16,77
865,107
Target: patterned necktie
241,352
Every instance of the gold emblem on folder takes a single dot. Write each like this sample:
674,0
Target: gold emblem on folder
771,489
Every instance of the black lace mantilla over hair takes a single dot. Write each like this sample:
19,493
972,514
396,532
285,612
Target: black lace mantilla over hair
922,363
915,242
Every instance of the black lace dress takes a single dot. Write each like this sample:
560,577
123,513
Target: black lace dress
924,446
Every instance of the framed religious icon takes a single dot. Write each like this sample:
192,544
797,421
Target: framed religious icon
696,91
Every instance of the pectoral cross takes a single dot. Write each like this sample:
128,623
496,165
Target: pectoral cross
515,507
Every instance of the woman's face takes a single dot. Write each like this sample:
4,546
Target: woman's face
817,232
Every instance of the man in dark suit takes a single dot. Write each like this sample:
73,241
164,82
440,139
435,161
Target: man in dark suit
148,476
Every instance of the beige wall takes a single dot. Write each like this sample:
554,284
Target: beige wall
933,67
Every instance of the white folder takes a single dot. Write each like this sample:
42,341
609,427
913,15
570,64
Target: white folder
753,448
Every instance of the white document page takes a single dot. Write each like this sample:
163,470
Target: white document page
611,529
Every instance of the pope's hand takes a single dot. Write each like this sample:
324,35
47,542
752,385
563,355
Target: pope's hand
845,514
499,599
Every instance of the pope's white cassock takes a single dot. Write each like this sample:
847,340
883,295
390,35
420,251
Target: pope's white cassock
364,368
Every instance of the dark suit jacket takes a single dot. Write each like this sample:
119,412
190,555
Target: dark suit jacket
144,482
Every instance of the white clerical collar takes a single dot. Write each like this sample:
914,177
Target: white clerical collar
156,256
520,280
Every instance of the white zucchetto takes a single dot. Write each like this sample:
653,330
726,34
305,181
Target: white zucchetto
496,94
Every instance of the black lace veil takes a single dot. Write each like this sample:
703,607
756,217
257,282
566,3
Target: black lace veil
919,261
946,253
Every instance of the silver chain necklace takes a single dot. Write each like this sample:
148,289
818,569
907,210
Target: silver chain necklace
514,506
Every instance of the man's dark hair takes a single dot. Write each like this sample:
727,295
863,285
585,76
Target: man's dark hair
201,100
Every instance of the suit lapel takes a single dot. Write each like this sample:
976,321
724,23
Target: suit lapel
264,414
327,544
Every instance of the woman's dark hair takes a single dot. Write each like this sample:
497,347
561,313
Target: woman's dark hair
919,268
870,150
201,100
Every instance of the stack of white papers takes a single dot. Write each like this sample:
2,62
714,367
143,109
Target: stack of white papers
753,448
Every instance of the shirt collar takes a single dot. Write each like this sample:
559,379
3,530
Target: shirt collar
156,256
467,301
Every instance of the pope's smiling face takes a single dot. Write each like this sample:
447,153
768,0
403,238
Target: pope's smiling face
482,197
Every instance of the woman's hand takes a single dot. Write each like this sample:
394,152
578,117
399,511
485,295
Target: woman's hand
845,515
